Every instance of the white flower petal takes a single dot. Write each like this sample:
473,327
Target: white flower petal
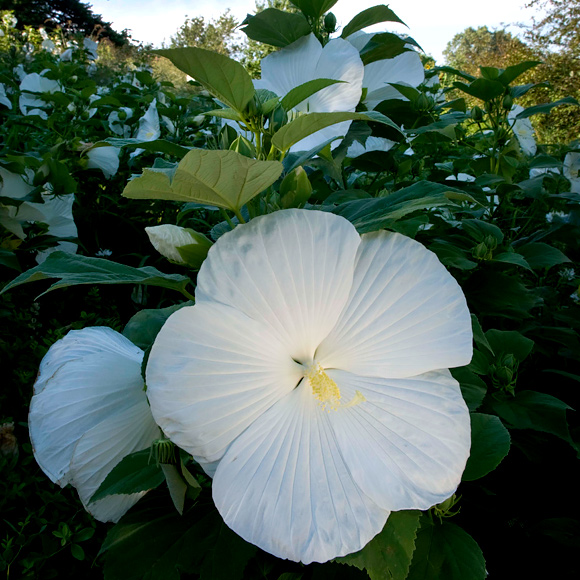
357,149
523,130
4,100
166,238
211,372
291,66
13,185
292,270
35,83
572,170
102,448
406,445
406,314
284,486
104,158
85,378
404,68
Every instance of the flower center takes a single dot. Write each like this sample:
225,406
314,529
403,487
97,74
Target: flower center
326,391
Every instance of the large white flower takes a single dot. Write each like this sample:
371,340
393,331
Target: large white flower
523,130
405,69
117,125
311,376
149,124
88,411
305,60
36,83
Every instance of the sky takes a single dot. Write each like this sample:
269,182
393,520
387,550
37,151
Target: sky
432,23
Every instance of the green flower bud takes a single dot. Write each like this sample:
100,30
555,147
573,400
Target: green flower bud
424,102
330,23
490,242
481,252
476,114
164,452
508,102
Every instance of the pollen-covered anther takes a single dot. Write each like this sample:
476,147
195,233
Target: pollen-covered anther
326,390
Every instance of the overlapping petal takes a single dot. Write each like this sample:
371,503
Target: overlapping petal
285,486
406,315
291,270
406,445
211,373
89,410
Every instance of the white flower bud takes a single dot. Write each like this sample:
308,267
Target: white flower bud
168,239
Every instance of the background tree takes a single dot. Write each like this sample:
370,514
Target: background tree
217,35
72,16
555,34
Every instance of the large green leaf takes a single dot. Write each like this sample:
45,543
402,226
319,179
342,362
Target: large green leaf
540,255
384,45
314,8
534,410
153,542
473,388
308,124
504,342
222,178
72,270
368,17
389,553
157,146
136,472
275,27
444,551
490,443
368,215
511,73
300,93
545,108
144,326
483,89
223,77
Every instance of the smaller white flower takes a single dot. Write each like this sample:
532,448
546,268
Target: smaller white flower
117,125
149,124
4,100
103,253
89,411
19,72
167,239
10,20
465,177
91,46
572,170
105,158
523,131
168,124
36,83
48,45
66,56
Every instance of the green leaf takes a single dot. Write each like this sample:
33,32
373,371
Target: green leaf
388,554
153,542
512,258
483,89
134,473
545,108
540,255
223,77
479,337
444,551
225,113
307,124
295,189
452,256
533,410
490,443
275,27
511,73
222,178
473,388
157,146
368,17
176,485
77,552
73,270
504,342
479,230
305,90
369,215
314,8
385,45
144,326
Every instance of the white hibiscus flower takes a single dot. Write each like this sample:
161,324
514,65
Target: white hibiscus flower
405,69
356,149
117,125
523,131
88,411
36,83
310,378
105,158
168,238
305,60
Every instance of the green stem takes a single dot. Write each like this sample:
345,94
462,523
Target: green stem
227,218
239,216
